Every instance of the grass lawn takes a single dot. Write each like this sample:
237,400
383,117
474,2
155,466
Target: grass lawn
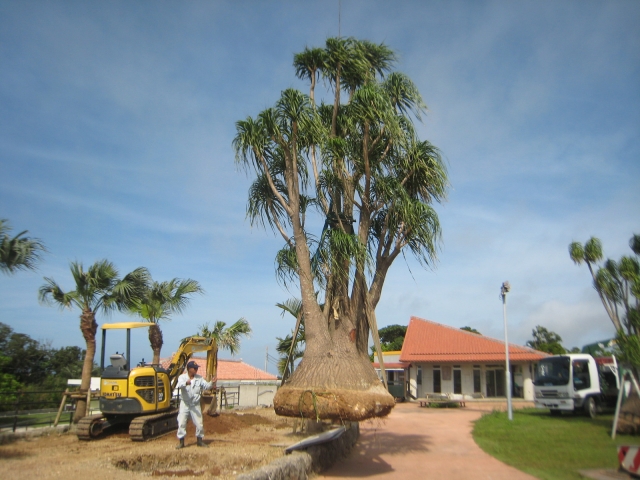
550,447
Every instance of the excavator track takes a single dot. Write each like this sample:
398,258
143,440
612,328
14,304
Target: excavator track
90,427
147,427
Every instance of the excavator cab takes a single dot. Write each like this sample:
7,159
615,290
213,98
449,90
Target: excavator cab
126,390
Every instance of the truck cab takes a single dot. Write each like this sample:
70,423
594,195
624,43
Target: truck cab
576,382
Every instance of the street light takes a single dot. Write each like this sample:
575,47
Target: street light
503,293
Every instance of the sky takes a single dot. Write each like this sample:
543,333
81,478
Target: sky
116,127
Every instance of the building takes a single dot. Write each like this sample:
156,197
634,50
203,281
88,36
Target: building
447,360
395,371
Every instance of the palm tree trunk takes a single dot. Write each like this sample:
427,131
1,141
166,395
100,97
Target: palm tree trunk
89,327
156,341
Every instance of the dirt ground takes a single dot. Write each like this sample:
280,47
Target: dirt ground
238,441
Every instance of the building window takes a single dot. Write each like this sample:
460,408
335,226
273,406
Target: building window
437,383
457,380
477,380
419,376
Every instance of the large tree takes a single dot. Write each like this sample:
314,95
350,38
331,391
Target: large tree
158,301
99,288
19,252
357,161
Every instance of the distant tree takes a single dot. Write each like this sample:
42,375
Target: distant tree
392,337
158,301
66,362
227,338
99,288
618,286
19,252
546,341
469,329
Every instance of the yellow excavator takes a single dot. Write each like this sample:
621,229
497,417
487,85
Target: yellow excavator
142,396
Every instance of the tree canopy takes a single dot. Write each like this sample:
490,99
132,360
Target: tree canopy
546,341
470,329
158,301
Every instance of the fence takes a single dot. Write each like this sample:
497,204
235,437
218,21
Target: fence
30,409
33,409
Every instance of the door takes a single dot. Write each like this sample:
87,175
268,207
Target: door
495,382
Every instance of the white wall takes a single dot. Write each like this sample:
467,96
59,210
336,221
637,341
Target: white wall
525,379
250,394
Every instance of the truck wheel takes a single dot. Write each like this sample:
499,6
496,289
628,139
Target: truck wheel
590,407
555,412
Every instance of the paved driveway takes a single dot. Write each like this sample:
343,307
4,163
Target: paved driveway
423,443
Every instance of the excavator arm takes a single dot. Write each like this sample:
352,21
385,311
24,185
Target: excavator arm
187,348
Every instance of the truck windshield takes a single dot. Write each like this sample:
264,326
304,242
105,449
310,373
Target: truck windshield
552,371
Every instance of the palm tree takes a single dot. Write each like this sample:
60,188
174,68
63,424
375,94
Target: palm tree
97,288
591,253
158,301
227,338
19,252
291,347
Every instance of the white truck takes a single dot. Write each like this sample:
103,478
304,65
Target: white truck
576,382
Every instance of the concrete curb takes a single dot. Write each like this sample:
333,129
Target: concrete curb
301,464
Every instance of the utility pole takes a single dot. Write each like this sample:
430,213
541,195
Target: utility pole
266,358
503,293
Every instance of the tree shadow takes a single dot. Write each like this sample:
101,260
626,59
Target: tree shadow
366,457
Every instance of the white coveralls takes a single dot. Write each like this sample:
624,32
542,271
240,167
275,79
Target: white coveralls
190,403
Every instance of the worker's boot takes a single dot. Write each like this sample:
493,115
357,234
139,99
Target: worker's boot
181,444
201,442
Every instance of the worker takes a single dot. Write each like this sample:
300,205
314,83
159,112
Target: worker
191,386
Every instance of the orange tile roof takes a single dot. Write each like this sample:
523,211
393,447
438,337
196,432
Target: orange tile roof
430,342
230,370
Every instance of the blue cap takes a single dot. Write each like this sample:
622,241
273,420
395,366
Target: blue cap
192,365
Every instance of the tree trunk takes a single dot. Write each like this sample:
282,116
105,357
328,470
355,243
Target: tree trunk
334,381
156,341
89,327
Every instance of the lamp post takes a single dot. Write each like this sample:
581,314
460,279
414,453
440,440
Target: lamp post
503,293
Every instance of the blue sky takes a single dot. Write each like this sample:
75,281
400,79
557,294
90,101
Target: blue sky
117,118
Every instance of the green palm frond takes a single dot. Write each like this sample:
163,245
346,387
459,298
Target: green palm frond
404,95
160,300
19,252
227,338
